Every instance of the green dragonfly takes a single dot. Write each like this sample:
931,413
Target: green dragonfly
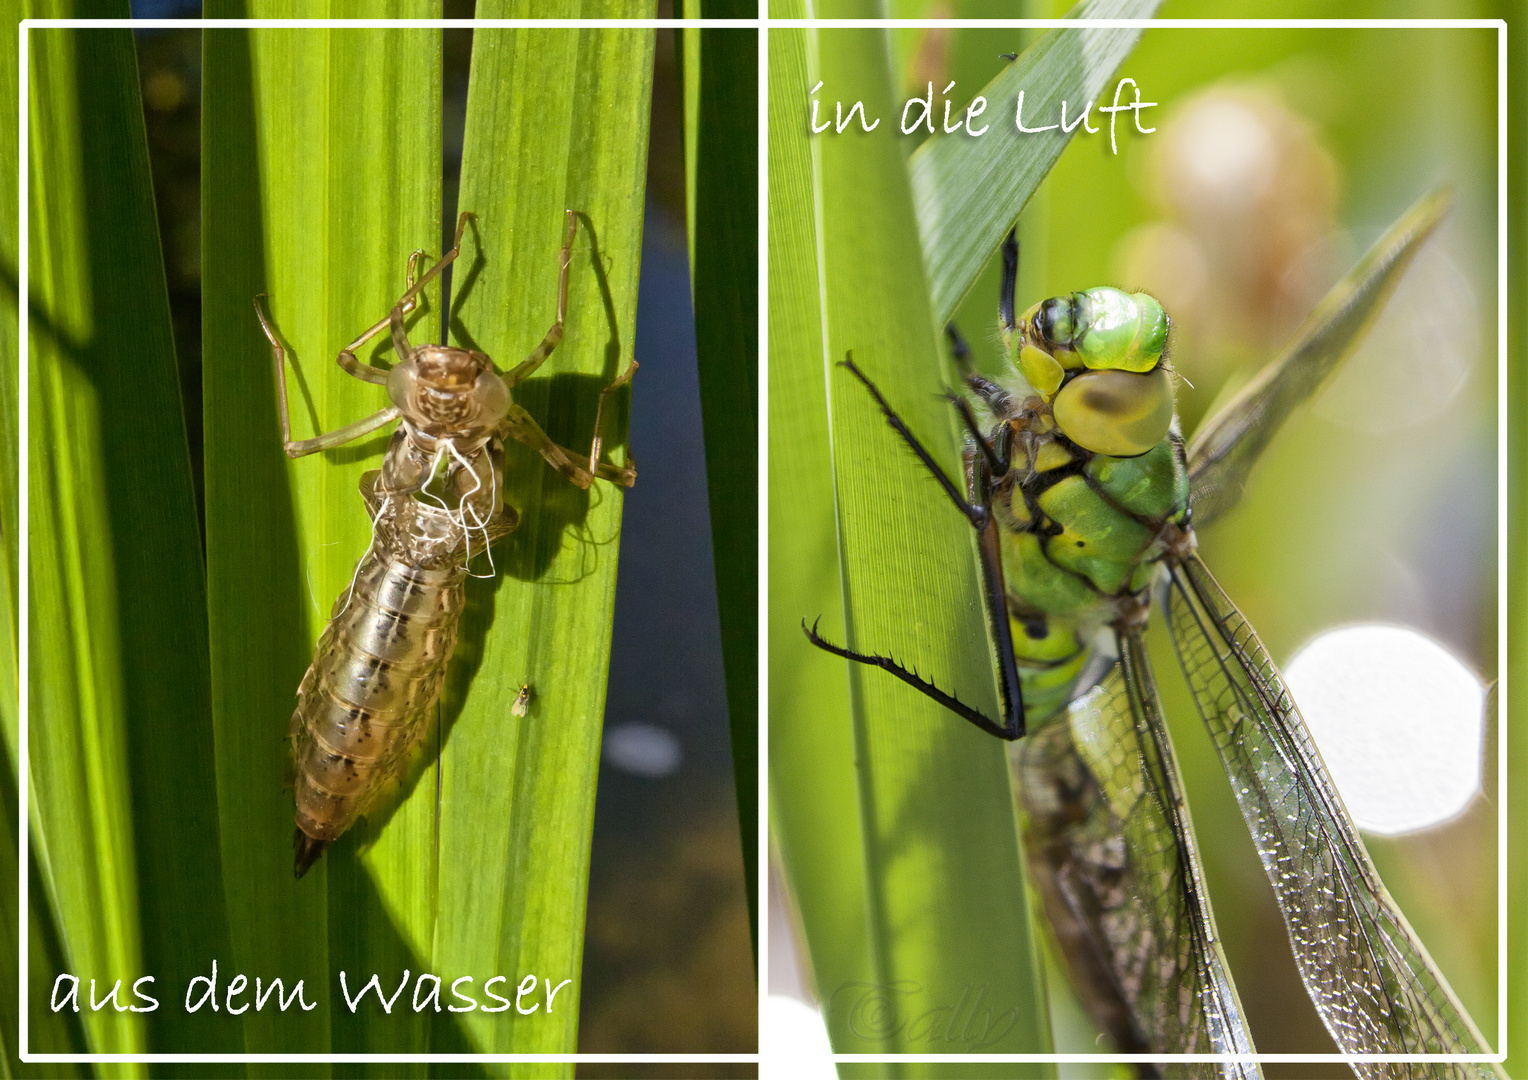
1085,498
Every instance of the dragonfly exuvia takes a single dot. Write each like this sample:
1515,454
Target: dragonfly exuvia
437,502
1085,497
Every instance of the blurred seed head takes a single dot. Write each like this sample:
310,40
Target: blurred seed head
1248,194
929,58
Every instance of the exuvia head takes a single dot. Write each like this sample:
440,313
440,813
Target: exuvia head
440,387
1096,356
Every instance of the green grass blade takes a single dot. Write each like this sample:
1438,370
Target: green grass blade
969,191
721,170
120,752
50,1032
9,706
556,119
814,810
947,906
300,129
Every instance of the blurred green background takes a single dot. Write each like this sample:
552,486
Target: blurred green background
1278,156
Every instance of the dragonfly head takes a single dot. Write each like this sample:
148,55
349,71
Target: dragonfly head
1096,357
440,388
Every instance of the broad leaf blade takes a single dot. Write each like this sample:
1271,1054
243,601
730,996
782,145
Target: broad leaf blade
814,808
721,169
120,750
300,128
556,120
968,190
937,819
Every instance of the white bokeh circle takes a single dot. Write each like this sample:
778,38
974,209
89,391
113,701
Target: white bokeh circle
1398,719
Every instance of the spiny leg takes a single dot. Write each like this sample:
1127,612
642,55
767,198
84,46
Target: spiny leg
995,599
522,427
370,372
519,424
301,447
976,513
916,681
976,507
997,463
394,319
625,475
997,399
564,258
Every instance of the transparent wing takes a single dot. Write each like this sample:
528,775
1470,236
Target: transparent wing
1371,979
1226,445
1112,851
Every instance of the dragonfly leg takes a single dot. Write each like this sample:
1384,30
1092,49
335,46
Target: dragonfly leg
997,463
995,599
917,682
594,446
976,505
296,448
1009,287
522,427
405,304
524,369
347,359
975,512
995,396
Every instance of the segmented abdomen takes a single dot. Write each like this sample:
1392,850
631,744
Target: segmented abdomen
366,699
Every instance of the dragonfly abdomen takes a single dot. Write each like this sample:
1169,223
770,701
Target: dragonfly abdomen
366,700
1050,652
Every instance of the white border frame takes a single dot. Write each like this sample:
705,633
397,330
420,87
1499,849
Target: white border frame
761,24
23,288
1501,487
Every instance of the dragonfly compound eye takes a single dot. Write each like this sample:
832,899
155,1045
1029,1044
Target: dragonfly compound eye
1054,323
1119,330
1118,413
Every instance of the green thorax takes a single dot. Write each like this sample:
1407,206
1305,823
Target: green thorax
1097,475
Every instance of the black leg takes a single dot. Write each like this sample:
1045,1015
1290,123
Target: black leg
959,349
976,513
996,464
977,509
1005,293
995,599
1000,401
923,686
995,396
